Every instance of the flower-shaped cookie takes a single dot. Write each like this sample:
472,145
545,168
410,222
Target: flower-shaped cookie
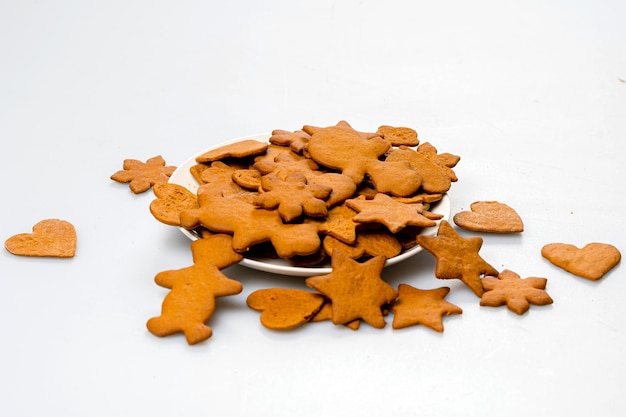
293,196
143,175
286,163
514,292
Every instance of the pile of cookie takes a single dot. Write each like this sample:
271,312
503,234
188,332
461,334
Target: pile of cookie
357,198
324,195
333,194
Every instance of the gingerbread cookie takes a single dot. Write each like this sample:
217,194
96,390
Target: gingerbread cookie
49,238
514,292
293,196
338,223
592,261
426,307
285,163
435,169
356,290
326,313
172,199
368,243
250,225
383,209
341,186
342,148
219,177
398,136
250,179
191,300
490,217
141,176
242,149
284,309
296,141
457,257
197,170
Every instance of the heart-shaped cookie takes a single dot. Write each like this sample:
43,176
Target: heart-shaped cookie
490,216
592,262
284,309
50,238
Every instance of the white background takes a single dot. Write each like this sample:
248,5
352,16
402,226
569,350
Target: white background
530,94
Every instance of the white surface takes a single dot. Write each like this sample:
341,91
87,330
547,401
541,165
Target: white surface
182,176
530,94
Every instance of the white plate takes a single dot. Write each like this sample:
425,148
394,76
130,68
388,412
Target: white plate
183,177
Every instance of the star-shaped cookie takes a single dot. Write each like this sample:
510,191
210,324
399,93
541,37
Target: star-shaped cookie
385,210
356,290
517,293
426,307
457,257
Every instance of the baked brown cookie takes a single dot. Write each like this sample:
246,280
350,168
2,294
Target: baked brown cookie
490,217
383,209
250,225
285,308
53,238
514,292
172,199
427,307
398,136
457,257
368,243
342,148
191,300
296,141
293,196
435,169
356,290
592,261
242,149
143,175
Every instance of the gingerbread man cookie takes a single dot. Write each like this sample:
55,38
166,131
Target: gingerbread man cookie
191,300
343,148
250,225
